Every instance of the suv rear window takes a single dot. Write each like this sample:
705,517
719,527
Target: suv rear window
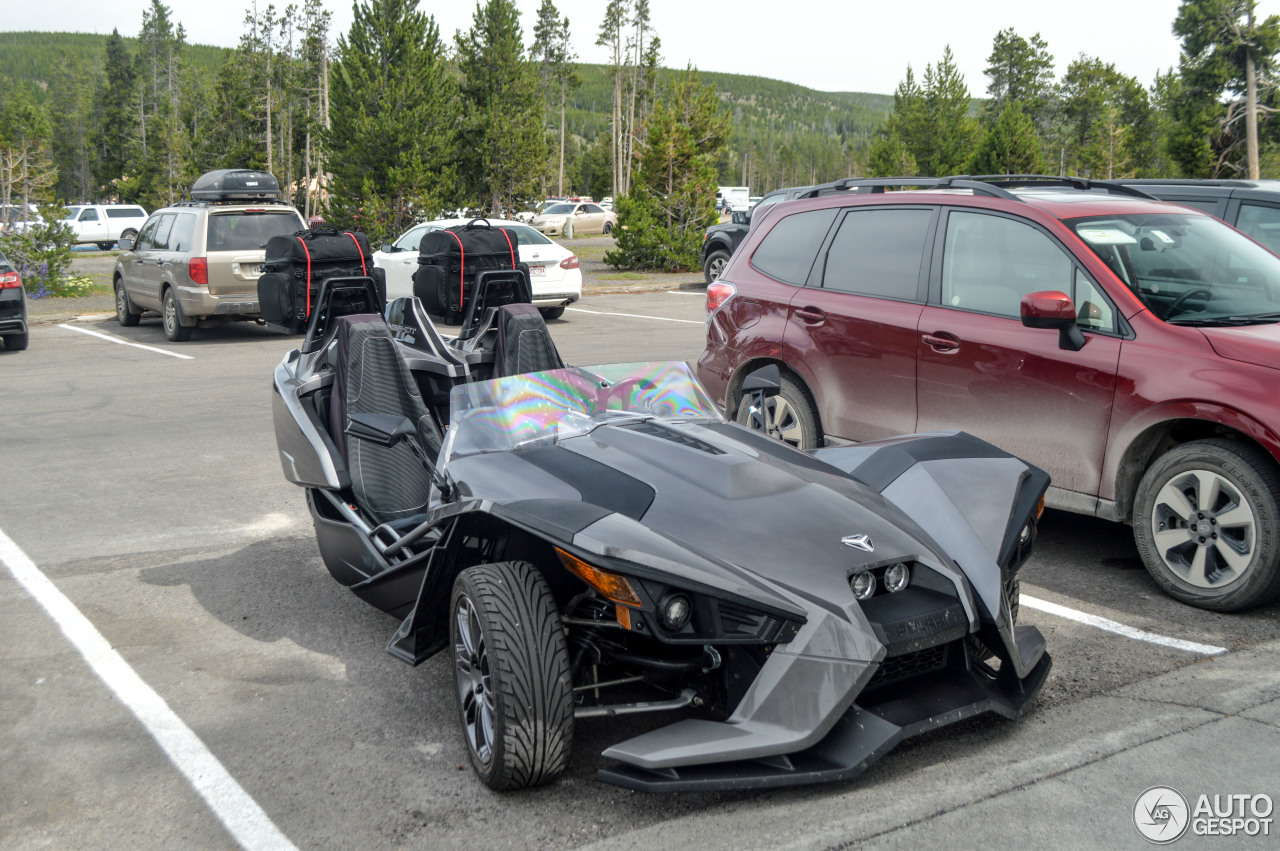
878,252
245,231
787,252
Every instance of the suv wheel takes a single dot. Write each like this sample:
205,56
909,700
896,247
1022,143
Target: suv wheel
790,416
1206,523
126,314
173,327
714,265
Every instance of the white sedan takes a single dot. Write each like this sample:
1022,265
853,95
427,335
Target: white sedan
553,269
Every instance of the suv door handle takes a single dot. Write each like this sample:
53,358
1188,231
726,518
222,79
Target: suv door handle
811,315
942,341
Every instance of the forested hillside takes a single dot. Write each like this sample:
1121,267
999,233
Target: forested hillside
782,133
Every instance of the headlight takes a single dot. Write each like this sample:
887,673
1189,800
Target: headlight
674,612
863,584
897,577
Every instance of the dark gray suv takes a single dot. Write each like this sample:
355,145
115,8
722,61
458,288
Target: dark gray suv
1251,206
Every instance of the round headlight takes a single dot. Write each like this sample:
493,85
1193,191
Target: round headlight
863,584
674,612
897,577
1025,535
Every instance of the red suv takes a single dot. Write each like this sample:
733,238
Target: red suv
1127,346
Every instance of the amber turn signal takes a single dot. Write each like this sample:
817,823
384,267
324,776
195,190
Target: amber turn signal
611,585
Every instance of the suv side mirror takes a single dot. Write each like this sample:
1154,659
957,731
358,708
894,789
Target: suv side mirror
125,243
1053,309
740,218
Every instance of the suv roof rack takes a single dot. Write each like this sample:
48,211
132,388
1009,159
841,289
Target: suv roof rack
995,186
238,202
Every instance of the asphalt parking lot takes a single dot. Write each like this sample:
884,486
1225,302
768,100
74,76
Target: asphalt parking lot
140,479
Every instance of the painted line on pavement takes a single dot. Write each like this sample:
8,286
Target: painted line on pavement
682,292
636,316
230,803
1119,628
111,339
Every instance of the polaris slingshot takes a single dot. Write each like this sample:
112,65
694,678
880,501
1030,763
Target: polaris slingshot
590,542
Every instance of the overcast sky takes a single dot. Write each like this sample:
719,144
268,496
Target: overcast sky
832,46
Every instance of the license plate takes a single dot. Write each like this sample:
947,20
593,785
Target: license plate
537,271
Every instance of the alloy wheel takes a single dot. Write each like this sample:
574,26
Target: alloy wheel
1203,528
475,686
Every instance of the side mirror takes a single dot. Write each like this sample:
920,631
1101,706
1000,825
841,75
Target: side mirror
1053,309
383,429
740,218
766,381
126,243
388,248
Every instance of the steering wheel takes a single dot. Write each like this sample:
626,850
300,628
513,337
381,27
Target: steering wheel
1176,305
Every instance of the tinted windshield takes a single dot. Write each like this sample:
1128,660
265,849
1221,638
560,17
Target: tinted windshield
558,210
543,407
1188,269
249,231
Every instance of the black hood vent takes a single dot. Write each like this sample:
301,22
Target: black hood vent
653,429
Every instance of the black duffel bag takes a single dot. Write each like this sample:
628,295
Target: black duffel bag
295,266
450,259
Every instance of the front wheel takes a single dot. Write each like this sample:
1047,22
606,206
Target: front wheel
714,265
126,314
608,228
1206,523
174,330
17,342
790,416
511,666
105,246
549,313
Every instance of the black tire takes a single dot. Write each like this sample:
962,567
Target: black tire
172,317
714,265
511,663
126,314
549,313
105,246
790,416
608,228
17,342
1207,524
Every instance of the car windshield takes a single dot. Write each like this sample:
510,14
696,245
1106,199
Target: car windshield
558,210
410,241
249,231
526,235
1188,269
544,407
72,212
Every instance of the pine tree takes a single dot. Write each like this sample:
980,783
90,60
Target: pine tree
1096,100
672,200
505,156
558,71
611,36
1225,48
1020,71
1010,146
951,130
891,153
393,118
117,127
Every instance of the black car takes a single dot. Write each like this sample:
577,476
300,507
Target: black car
591,542
720,241
13,307
1251,206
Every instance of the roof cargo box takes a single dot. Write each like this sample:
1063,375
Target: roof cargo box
236,184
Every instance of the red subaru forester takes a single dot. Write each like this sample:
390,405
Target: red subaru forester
1127,346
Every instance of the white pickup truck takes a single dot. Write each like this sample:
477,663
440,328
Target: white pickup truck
104,224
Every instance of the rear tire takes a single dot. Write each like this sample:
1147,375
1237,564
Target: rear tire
608,228
549,313
105,246
791,416
174,330
16,342
1208,527
129,234
126,314
511,667
714,265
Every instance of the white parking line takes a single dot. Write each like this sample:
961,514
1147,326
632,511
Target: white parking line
1119,628
111,339
636,316
239,813
683,292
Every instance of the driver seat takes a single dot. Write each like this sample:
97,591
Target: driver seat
370,376
524,344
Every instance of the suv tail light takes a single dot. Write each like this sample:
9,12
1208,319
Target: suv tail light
9,280
717,294
570,262
198,269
